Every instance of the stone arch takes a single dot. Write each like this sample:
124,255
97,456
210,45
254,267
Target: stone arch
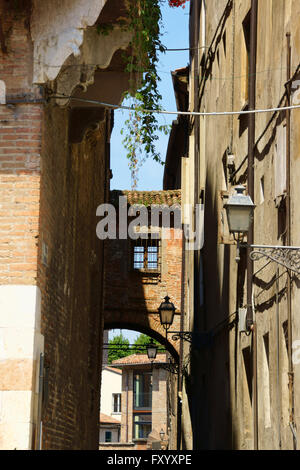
111,324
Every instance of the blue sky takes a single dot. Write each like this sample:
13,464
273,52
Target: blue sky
175,36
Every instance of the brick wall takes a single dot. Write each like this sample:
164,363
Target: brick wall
72,186
20,145
20,154
130,296
49,192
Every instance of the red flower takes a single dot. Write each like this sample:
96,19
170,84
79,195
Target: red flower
177,3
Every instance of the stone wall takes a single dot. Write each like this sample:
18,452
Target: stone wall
228,364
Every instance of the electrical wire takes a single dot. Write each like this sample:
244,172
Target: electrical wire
183,113
187,49
212,77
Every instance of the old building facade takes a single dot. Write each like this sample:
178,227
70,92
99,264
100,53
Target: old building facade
244,56
144,399
54,172
143,264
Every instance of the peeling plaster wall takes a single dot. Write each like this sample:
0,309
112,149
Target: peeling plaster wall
57,29
96,51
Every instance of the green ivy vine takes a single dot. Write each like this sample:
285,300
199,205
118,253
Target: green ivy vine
141,128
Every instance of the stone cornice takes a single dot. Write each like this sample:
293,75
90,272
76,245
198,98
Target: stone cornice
67,46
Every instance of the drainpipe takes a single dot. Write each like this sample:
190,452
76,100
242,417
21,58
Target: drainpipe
196,146
127,406
180,362
196,188
251,145
288,241
278,359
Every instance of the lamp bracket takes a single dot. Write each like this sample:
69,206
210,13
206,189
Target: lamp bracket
287,256
198,339
184,335
172,367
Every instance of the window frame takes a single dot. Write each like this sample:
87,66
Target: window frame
139,423
118,403
146,243
142,408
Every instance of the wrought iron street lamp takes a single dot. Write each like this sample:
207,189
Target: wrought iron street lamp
151,351
240,212
166,313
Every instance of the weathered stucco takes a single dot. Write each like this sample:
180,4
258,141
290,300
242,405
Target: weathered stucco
228,420
95,53
57,30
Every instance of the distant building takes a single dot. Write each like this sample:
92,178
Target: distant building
110,405
109,429
144,399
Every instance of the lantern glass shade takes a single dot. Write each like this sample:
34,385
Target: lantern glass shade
166,312
239,218
240,211
151,351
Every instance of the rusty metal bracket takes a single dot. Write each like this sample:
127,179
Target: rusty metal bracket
287,256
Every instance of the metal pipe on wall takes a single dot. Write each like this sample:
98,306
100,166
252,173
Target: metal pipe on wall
251,145
288,240
278,359
127,407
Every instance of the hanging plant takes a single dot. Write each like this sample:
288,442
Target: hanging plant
142,128
177,3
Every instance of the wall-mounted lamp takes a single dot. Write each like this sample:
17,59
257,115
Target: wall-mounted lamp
151,351
240,213
166,314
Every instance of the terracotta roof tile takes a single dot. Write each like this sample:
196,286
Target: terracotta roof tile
136,359
108,419
147,198
112,369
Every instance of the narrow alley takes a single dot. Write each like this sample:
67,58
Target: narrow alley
203,264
